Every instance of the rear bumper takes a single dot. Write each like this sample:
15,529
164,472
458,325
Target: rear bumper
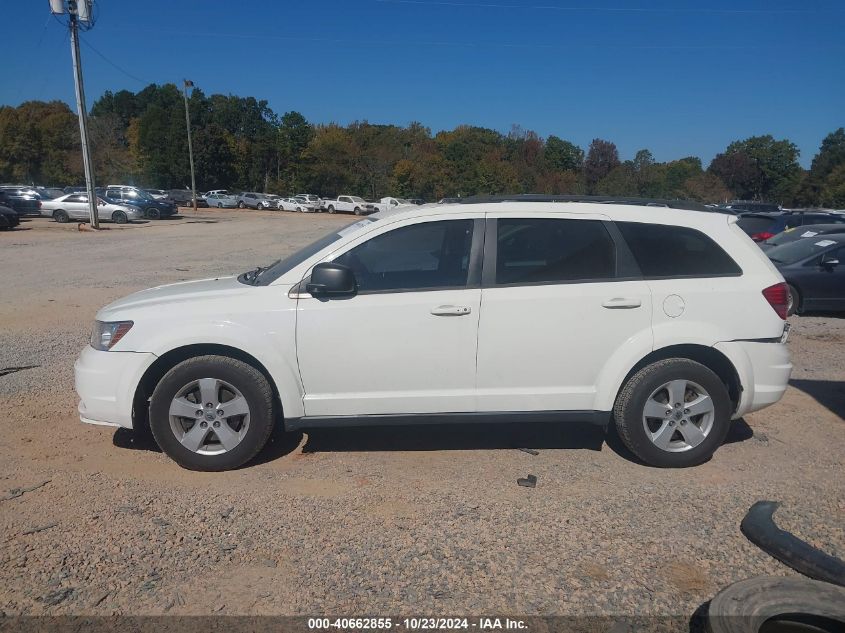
764,370
106,383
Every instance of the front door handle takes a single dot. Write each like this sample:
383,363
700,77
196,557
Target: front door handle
451,310
621,303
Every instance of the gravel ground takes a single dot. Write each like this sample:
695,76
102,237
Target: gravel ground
367,521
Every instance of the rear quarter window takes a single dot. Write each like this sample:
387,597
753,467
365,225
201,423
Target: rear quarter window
664,251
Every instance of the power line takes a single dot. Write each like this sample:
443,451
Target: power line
113,65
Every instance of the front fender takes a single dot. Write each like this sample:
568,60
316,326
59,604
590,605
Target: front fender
274,351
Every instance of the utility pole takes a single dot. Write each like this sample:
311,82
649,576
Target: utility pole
80,11
190,84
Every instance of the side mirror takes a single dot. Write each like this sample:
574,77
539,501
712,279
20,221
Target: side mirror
331,280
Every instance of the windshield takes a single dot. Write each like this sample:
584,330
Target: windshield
266,276
798,250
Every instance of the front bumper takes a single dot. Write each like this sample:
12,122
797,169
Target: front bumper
763,369
106,383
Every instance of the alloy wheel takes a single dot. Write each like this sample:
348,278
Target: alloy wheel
209,416
678,416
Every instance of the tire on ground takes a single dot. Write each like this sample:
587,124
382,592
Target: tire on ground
630,402
745,606
248,380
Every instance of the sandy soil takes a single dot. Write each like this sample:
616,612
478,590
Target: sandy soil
367,521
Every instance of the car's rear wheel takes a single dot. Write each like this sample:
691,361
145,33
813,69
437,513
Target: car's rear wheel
153,214
60,216
119,217
793,302
212,413
673,413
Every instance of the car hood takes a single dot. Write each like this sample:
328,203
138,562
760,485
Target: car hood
164,297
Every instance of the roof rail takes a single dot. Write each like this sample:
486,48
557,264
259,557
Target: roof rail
689,205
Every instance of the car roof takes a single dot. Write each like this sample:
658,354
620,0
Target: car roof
615,211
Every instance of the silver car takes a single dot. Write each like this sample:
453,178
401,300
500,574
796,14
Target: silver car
74,206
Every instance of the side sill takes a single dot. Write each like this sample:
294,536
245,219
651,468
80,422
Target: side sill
599,418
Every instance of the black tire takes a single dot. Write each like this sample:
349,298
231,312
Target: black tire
357,211
60,216
745,606
153,213
119,217
628,412
794,300
249,381
219,205
331,209
241,205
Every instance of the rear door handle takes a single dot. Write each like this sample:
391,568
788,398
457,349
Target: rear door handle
450,310
621,303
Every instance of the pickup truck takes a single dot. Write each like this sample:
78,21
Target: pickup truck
349,204
388,203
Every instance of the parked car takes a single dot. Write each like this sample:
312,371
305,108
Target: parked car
221,200
74,206
252,200
22,202
388,203
184,198
416,201
215,191
311,199
290,204
798,233
739,206
763,226
158,194
307,205
269,201
9,218
814,270
153,209
49,193
349,204
669,323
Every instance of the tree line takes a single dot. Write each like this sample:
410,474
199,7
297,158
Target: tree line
241,143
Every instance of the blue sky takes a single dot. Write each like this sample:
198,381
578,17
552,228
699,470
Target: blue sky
679,77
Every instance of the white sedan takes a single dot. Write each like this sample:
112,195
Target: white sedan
74,206
290,204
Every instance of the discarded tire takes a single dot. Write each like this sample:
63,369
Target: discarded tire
770,604
759,526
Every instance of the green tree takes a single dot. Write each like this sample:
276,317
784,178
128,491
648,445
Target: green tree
602,158
760,168
562,155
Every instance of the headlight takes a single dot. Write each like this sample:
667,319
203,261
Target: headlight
106,334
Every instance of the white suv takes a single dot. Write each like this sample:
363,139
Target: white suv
667,322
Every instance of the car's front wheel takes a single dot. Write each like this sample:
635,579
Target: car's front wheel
212,413
673,413
119,217
153,214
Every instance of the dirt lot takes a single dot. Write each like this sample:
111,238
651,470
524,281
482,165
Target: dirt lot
374,521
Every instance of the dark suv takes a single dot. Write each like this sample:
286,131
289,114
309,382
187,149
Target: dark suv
152,208
763,226
21,200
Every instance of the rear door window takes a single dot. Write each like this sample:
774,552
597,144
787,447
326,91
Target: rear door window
665,251
547,250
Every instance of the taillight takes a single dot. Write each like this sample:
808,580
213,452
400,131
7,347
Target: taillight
778,298
762,237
